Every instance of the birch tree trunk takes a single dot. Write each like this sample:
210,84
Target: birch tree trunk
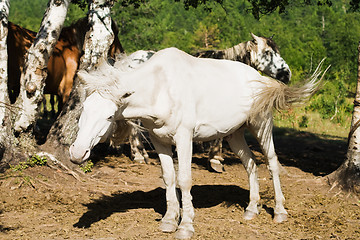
348,174
35,70
96,46
6,136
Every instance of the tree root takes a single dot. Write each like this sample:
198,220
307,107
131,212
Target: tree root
58,164
347,178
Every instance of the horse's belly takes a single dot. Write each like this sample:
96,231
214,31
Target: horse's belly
211,131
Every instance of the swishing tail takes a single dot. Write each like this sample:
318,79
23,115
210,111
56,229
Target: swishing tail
280,96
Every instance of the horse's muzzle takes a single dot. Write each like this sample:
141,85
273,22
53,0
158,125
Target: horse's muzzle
284,76
78,155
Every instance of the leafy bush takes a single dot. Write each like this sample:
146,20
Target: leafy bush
332,101
87,167
35,160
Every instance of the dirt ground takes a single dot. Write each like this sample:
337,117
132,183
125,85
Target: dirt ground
120,199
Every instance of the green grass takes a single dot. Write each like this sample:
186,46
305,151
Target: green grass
310,121
48,104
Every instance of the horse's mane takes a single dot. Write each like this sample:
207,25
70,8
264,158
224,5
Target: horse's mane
272,44
239,52
104,79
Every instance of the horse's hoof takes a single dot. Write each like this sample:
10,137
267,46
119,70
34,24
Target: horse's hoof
168,227
139,160
279,218
184,234
249,215
216,166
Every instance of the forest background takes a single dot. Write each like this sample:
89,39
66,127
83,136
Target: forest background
304,33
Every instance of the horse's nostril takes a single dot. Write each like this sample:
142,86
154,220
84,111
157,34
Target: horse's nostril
86,154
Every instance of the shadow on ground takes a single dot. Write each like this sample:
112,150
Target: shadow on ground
316,154
204,196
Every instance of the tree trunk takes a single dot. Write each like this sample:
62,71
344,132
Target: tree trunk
347,175
33,77
97,43
6,136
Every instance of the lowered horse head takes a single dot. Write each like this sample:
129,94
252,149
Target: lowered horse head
100,119
265,56
96,124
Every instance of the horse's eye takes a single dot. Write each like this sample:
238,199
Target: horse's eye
111,117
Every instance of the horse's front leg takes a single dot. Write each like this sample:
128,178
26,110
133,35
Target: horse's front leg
169,222
183,141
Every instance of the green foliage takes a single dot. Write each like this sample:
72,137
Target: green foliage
87,167
332,101
206,36
28,14
304,122
35,160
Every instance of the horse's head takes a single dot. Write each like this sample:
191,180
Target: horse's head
96,124
265,57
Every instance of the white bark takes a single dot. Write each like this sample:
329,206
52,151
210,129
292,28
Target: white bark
100,36
348,174
33,78
6,136
353,154
4,11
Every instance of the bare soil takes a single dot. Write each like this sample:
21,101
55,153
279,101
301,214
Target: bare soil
120,199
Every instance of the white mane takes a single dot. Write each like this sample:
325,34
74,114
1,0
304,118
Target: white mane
105,78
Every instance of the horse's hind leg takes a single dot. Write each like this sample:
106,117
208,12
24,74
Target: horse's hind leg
52,103
45,111
138,152
215,160
263,133
239,146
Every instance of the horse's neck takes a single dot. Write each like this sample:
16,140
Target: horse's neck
137,84
239,53
78,30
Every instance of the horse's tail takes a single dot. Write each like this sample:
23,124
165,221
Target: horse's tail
281,96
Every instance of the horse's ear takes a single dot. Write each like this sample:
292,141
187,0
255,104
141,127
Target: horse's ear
271,37
254,37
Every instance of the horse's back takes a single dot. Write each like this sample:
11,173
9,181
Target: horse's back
202,73
213,96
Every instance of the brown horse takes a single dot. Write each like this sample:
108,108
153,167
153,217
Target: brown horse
62,64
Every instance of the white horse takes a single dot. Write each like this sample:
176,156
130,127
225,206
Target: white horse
181,99
260,53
